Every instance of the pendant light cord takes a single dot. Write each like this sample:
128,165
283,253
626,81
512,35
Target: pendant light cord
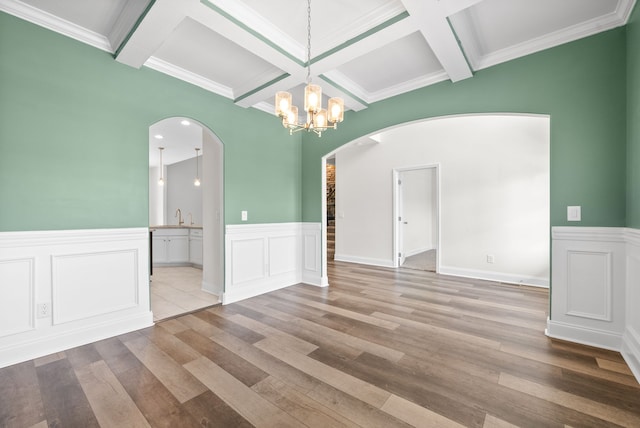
308,41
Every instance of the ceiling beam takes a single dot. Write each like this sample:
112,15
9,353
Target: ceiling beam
435,28
159,22
449,7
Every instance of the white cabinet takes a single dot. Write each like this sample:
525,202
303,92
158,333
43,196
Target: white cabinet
195,246
170,246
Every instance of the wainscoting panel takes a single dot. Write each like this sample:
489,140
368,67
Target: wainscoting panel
93,284
588,286
17,304
247,260
284,255
105,282
266,257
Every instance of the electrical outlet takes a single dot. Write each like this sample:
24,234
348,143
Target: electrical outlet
43,310
490,258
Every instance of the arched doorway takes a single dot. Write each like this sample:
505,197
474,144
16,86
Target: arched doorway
185,216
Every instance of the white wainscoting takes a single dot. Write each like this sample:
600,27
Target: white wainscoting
94,283
596,289
265,257
631,337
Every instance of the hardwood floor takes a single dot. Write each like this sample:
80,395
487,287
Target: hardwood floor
378,348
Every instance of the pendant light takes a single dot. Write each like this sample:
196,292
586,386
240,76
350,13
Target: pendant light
196,182
161,179
318,119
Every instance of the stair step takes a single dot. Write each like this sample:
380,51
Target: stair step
331,245
331,229
332,222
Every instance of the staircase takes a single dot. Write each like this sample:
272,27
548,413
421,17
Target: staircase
331,239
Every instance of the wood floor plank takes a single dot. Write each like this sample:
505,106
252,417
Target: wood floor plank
299,405
212,412
614,366
265,361
493,422
438,331
172,375
345,313
589,407
179,351
111,404
357,388
353,409
241,398
416,415
20,400
240,368
323,336
65,403
275,335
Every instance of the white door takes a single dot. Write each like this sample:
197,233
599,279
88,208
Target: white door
416,212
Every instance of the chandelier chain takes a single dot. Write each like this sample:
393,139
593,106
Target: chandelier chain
308,41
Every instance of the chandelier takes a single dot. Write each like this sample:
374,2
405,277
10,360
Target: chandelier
318,119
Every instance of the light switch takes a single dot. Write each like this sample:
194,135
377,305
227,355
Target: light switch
244,216
574,213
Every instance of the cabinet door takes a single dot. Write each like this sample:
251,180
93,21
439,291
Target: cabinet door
178,249
159,249
195,251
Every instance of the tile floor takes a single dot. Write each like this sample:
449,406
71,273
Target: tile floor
177,290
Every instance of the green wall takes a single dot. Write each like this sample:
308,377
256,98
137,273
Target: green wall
74,138
581,85
633,120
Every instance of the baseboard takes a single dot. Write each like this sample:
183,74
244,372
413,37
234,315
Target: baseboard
363,260
494,276
631,350
584,335
248,291
41,346
313,279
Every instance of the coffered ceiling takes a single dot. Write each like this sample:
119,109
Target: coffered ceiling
362,50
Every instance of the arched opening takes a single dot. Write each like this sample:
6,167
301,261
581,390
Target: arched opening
185,216
494,201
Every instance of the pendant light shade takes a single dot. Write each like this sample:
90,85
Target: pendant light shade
161,179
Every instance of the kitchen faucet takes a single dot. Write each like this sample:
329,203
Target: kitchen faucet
179,215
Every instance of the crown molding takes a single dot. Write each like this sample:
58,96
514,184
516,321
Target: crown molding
557,38
189,77
53,23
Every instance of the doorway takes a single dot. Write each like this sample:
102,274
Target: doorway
185,217
416,217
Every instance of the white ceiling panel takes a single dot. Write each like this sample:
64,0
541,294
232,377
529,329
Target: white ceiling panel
402,60
196,48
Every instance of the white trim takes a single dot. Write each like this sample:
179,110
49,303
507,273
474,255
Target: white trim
584,335
54,23
169,69
363,260
258,258
631,350
619,330
593,234
126,252
557,38
60,341
507,278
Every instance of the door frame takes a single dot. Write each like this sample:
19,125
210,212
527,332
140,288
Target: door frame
397,209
